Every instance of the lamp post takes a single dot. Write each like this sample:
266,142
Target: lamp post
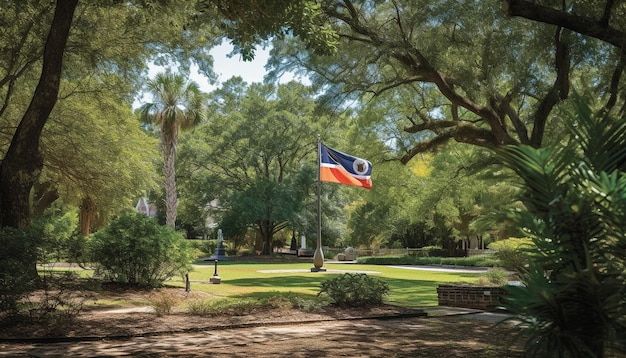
215,279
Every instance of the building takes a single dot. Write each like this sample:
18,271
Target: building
146,208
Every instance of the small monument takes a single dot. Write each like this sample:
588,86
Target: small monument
294,242
220,253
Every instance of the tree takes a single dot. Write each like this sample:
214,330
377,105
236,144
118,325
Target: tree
178,105
455,193
463,72
602,20
23,161
82,144
573,301
252,22
258,151
40,54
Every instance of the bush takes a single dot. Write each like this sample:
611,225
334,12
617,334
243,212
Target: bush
497,276
57,230
204,307
276,300
206,246
134,249
18,271
573,301
164,302
354,290
512,253
475,261
56,303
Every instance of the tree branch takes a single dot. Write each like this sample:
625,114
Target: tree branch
614,85
596,28
460,133
559,91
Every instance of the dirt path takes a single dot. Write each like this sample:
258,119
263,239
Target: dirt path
448,336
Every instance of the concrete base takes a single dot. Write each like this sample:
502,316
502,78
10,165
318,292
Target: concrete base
215,280
318,269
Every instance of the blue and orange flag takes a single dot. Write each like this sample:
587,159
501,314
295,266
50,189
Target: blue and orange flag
338,167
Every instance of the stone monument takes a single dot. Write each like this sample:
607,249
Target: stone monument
220,253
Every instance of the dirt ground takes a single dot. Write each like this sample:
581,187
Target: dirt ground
386,331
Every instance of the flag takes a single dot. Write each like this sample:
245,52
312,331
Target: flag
338,167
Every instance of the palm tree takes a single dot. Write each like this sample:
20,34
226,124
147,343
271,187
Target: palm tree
178,104
573,303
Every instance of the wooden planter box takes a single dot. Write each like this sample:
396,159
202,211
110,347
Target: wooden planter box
478,297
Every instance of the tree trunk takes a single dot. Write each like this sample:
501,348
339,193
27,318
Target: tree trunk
169,137
87,218
266,229
23,161
43,197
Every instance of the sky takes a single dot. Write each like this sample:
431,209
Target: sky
226,67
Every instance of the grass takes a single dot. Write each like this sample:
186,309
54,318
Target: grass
409,288
239,281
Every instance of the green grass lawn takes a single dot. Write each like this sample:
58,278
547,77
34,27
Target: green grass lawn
410,288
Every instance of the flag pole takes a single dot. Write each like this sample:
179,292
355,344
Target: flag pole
318,256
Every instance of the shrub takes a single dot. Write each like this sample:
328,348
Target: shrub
354,290
205,307
206,246
56,230
476,260
55,304
497,276
512,253
163,302
18,272
134,249
573,302
276,300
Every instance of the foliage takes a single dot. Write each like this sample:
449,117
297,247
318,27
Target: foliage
252,22
178,105
90,74
497,276
19,250
56,228
83,163
273,300
133,249
59,301
163,302
512,253
471,261
255,158
207,247
355,290
574,299
448,192
412,234
446,67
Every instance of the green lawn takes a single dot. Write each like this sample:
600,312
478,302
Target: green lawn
410,288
